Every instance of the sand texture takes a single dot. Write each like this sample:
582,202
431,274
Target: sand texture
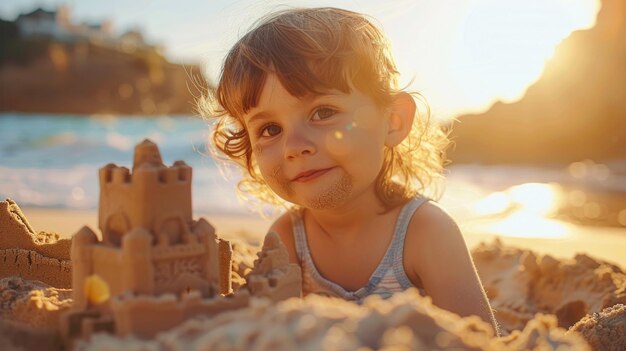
32,303
406,321
29,254
244,256
535,297
605,330
520,283
29,314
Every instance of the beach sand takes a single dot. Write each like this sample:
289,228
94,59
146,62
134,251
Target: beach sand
606,243
567,292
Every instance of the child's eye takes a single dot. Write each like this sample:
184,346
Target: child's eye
323,113
269,130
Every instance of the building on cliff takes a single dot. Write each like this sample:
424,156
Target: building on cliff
60,25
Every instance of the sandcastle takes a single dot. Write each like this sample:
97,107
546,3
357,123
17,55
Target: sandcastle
155,266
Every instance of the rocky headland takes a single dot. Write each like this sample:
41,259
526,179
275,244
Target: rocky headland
44,75
575,111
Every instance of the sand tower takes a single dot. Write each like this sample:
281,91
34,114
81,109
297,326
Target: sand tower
150,243
157,265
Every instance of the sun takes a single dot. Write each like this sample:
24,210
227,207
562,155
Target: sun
488,50
504,45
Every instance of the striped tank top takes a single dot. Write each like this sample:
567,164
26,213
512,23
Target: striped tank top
389,277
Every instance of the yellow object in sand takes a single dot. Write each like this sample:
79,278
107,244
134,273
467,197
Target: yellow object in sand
96,289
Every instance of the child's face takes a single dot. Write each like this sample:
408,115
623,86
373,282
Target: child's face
319,151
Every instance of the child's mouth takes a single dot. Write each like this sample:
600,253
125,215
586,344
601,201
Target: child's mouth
307,176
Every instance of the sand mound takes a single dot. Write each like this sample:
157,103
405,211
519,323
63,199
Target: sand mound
32,303
520,284
29,254
605,330
20,337
406,321
16,232
243,259
29,314
532,295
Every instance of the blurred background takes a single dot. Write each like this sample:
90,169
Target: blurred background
534,92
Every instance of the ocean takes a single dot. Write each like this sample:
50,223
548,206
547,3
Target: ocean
53,161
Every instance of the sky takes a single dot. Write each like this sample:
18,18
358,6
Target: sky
462,55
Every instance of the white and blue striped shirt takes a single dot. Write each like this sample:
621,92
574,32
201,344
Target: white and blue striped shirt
388,278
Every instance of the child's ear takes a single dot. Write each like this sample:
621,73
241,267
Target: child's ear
400,119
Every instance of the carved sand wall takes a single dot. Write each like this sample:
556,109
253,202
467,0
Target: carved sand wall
29,254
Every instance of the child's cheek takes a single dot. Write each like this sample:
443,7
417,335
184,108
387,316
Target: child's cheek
344,140
272,172
278,182
365,119
338,142
257,150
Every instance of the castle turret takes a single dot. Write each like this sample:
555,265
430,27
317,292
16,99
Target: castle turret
138,271
82,267
154,197
147,152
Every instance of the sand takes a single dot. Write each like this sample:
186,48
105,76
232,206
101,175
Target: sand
529,307
31,254
543,299
606,243
249,228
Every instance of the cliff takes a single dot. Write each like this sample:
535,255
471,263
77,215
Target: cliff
575,111
42,75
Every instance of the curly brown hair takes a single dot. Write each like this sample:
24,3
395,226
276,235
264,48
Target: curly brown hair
312,51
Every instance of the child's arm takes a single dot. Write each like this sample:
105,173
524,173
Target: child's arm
441,260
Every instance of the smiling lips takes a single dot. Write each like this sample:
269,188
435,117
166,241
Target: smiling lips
309,175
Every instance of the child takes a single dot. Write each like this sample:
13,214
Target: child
308,105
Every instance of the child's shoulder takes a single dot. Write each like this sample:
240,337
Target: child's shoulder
283,226
431,232
431,216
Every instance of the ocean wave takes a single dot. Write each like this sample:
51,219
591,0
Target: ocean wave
77,188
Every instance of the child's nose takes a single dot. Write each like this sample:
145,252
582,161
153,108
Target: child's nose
298,143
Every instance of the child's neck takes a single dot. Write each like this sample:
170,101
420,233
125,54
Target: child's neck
348,221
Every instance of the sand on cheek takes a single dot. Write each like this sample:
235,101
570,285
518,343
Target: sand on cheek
279,183
275,178
333,195
279,178
329,197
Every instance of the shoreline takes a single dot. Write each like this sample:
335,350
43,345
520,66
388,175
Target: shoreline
66,222
604,243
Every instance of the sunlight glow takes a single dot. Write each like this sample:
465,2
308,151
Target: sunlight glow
621,217
530,197
494,203
502,48
530,225
512,45
535,197
523,210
